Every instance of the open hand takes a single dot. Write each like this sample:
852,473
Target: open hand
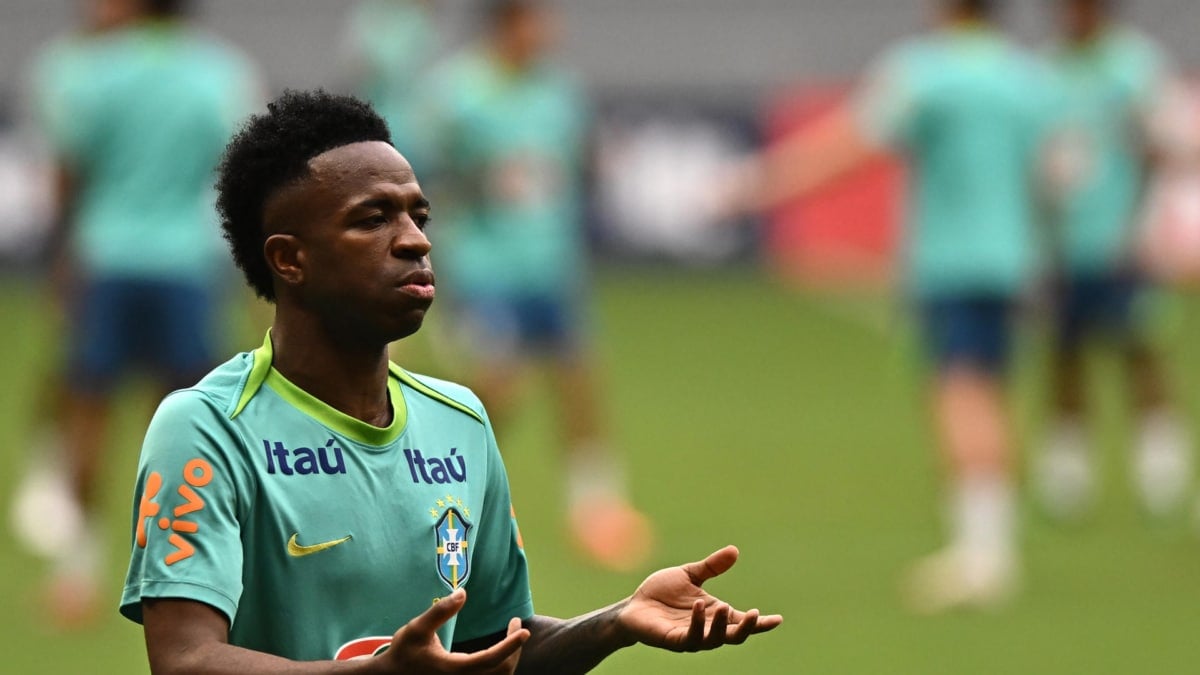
416,648
670,610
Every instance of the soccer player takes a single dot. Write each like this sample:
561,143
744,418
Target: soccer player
1111,86
137,116
390,45
304,500
512,129
963,106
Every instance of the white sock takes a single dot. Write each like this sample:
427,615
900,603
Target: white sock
1162,462
86,558
45,516
983,518
1063,475
594,473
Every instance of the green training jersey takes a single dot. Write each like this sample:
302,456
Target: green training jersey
391,43
967,110
141,116
511,145
1105,92
316,534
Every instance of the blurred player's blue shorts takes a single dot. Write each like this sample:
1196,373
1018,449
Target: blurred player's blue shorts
1100,305
506,327
121,323
971,330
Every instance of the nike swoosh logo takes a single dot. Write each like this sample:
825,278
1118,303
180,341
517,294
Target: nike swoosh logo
297,551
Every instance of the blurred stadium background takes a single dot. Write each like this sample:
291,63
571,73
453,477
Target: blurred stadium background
758,411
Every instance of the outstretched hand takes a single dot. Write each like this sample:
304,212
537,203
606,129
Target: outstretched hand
670,610
416,648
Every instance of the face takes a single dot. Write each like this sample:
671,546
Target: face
348,243
101,15
1082,18
531,33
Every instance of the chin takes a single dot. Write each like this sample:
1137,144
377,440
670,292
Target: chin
409,325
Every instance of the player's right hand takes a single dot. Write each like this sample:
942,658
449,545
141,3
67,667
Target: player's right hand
416,648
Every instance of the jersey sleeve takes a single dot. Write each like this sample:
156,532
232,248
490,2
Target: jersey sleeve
56,101
1161,100
886,102
498,588
186,532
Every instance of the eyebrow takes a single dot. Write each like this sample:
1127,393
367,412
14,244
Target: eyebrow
384,202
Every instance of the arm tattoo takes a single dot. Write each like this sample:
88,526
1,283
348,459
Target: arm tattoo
570,646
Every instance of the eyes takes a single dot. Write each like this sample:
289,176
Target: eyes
382,219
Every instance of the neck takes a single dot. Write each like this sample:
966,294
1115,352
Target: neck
508,57
1090,35
959,19
350,376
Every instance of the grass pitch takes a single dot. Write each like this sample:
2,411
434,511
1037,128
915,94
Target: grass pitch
790,425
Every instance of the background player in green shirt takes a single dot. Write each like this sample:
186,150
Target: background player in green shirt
390,45
965,108
303,501
512,128
136,116
1112,88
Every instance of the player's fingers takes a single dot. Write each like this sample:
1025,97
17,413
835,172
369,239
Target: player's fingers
497,654
695,634
743,629
717,629
439,613
768,622
715,564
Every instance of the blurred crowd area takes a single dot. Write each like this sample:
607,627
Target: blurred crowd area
673,84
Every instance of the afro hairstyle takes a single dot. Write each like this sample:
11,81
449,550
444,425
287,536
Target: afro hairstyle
273,150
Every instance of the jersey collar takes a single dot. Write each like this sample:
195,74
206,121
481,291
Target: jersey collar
262,372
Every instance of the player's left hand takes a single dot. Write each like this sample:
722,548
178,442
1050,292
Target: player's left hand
670,610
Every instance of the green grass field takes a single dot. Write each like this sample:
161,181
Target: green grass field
790,425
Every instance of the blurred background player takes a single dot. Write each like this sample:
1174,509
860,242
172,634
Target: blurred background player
963,106
44,491
512,131
390,45
137,115
1111,88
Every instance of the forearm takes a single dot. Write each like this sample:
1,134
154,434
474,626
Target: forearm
568,646
218,658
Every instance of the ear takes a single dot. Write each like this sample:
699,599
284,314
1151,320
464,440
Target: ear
286,258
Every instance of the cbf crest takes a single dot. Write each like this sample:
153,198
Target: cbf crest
452,534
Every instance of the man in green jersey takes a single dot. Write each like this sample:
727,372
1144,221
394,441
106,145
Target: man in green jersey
389,45
303,501
963,107
1112,90
512,128
136,115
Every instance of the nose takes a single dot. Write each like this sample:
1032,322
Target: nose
410,241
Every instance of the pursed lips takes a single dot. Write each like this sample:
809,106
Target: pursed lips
419,284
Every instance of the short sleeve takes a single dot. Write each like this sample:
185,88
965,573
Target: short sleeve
1149,73
886,102
186,532
1162,100
55,82
498,589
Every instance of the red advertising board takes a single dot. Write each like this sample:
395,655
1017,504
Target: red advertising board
845,234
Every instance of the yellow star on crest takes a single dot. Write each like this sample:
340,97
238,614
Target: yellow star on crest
433,512
441,503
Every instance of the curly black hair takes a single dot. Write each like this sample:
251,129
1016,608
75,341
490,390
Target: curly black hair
273,149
